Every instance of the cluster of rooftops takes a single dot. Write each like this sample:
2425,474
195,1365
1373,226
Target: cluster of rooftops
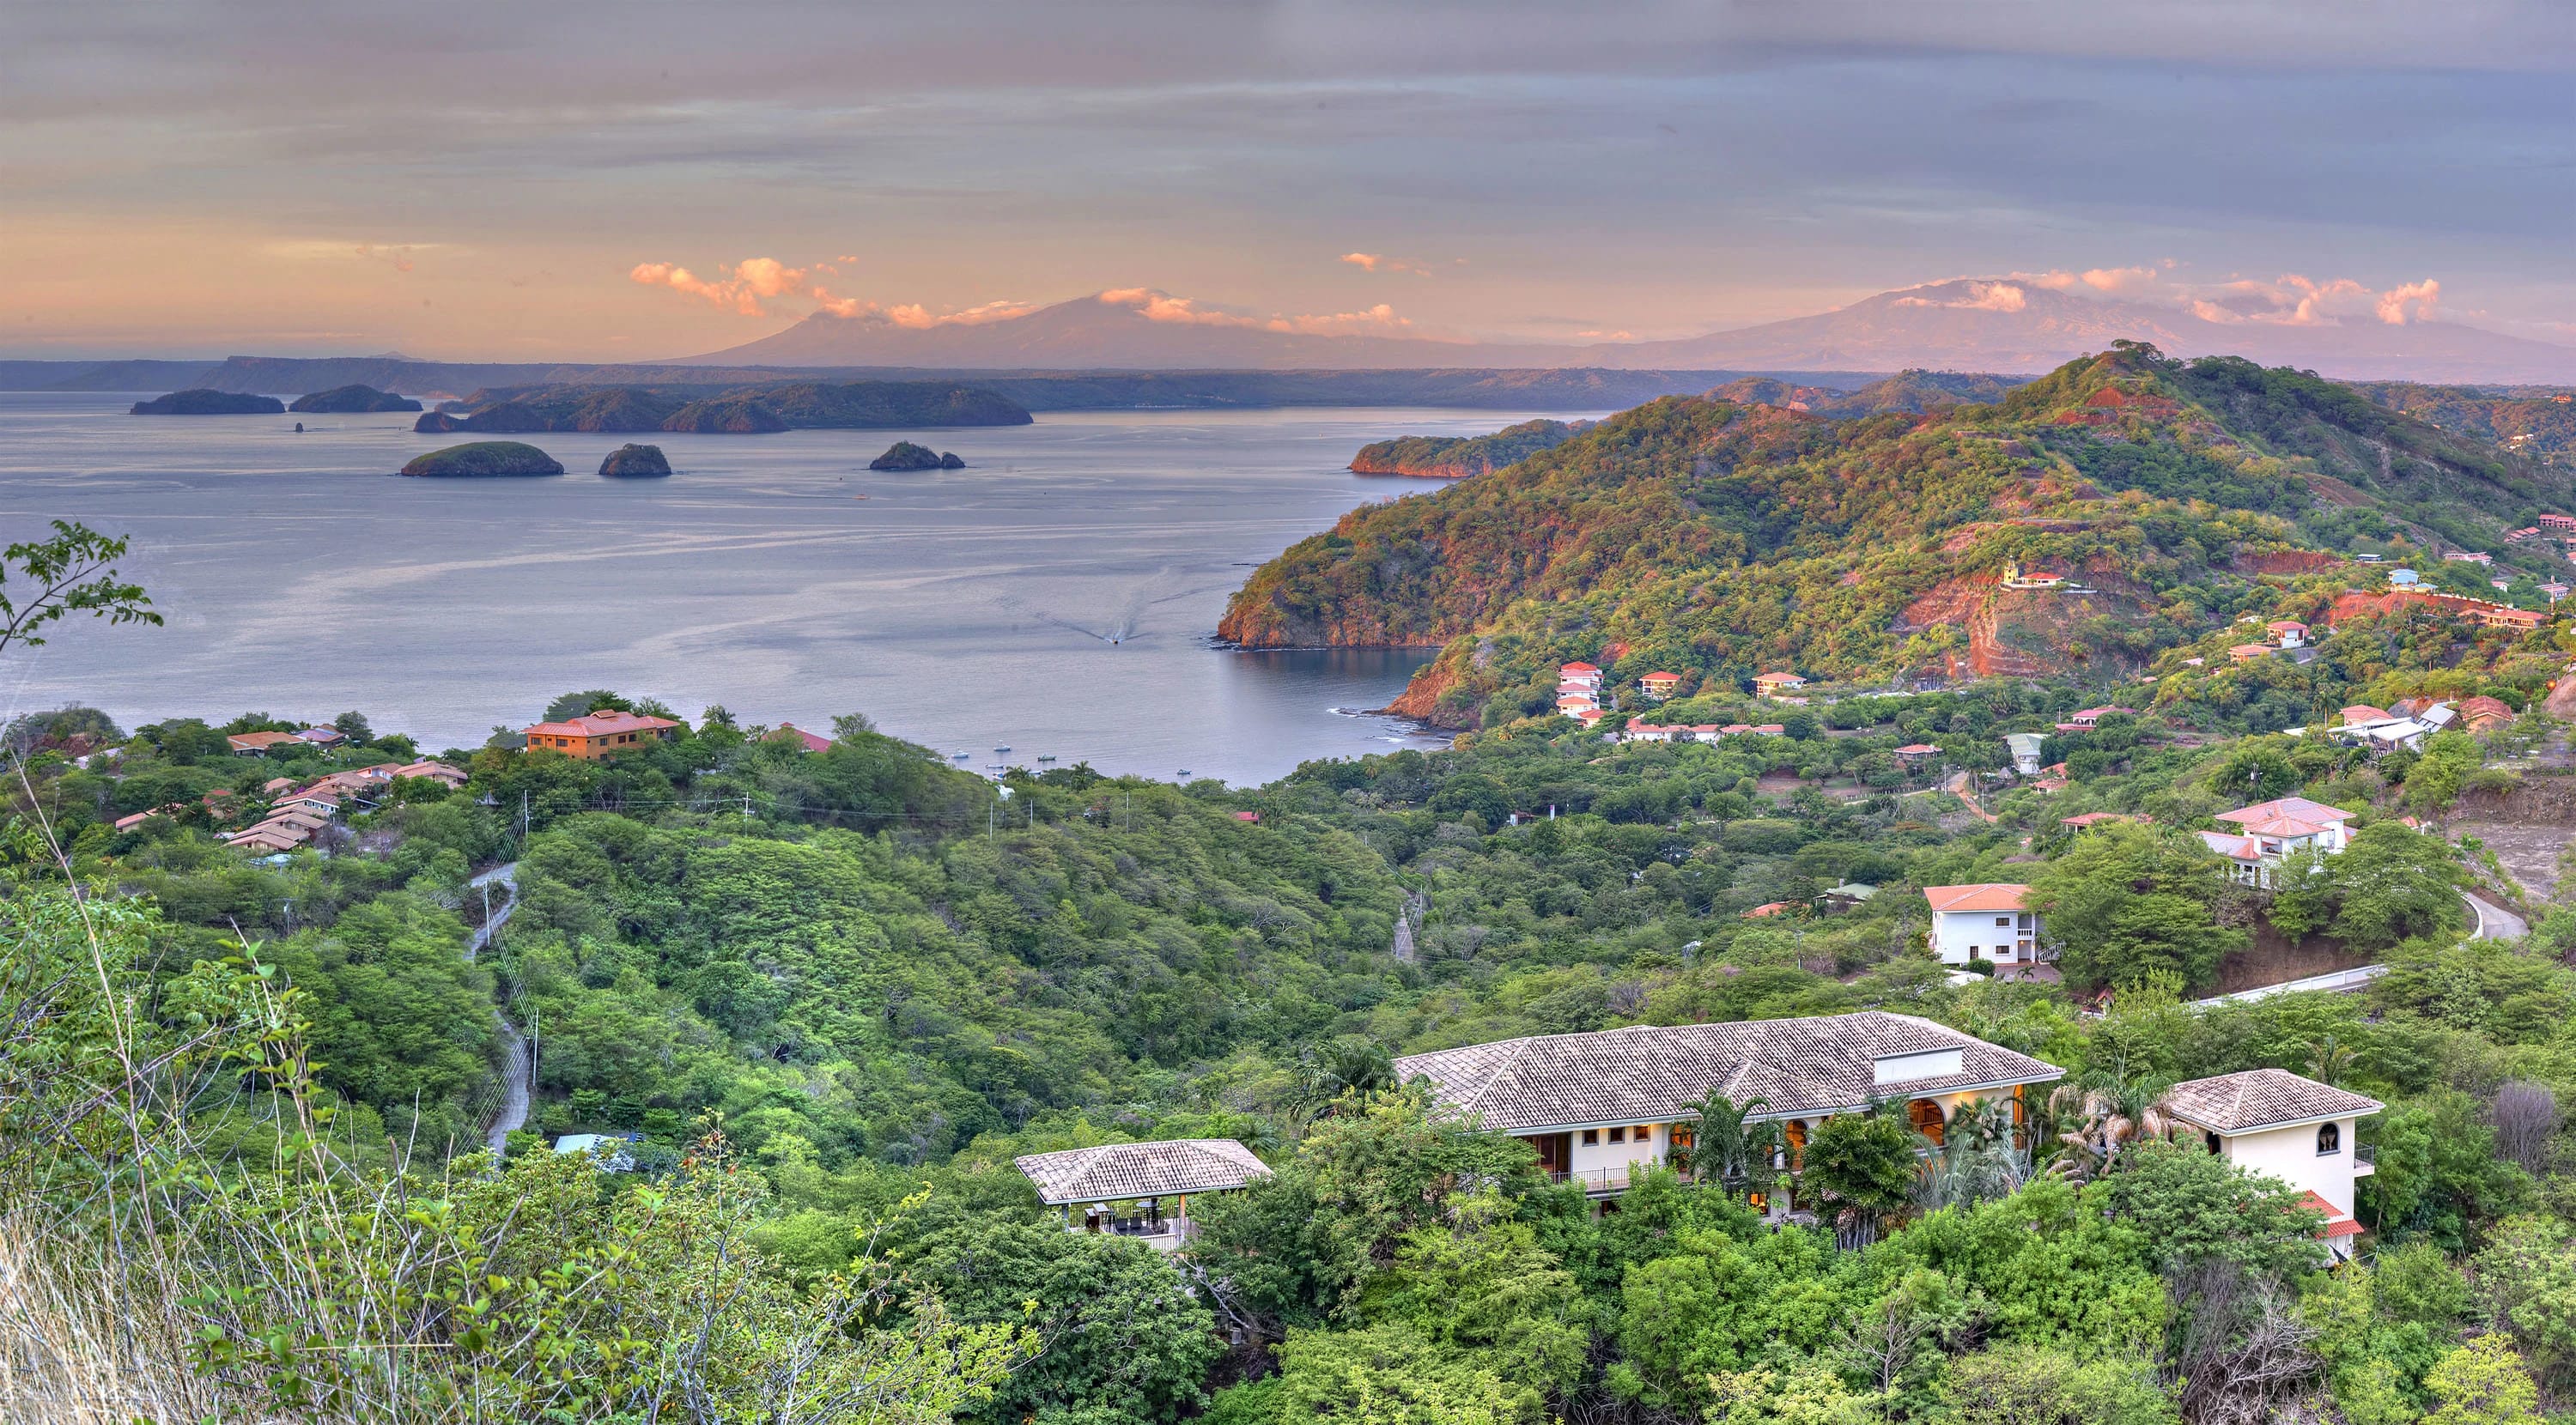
1786,1070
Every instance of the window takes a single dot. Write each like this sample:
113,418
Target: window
1592,1136
1643,1133
1618,1135
2005,921
2329,1138
2212,1140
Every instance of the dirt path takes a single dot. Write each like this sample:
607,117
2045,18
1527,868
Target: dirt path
1957,786
513,1112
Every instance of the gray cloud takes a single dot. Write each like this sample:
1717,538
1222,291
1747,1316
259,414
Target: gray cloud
1664,164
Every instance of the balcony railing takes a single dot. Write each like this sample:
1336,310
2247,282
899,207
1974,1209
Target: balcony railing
1594,1179
2365,1155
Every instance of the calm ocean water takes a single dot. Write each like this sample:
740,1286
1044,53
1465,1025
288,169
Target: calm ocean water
775,575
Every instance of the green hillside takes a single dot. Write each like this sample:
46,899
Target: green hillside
1719,540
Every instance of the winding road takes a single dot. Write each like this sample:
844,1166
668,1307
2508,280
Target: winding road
513,1113
2494,921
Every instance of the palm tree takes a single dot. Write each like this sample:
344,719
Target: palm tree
1726,1147
2329,1060
2094,1121
1349,1064
1978,1160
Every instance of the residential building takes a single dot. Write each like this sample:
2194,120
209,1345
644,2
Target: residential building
1916,753
2092,819
1660,686
613,1152
1773,685
1989,922
603,732
2285,1126
2565,524
2482,714
255,744
322,736
2026,751
1142,1176
2402,578
1575,705
810,741
1589,717
1600,1107
2271,832
433,770
2287,632
1655,732
2248,652
1583,675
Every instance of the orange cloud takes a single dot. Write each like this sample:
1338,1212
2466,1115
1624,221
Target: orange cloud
2422,295
1380,262
1155,305
2118,279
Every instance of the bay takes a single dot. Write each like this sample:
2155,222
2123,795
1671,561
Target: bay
1057,597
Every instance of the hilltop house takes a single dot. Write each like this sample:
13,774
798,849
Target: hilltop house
1141,1175
2484,714
2287,632
1989,922
1660,686
2273,831
600,733
2277,1123
1776,685
2026,748
254,744
1599,1107
2089,718
810,741
1580,675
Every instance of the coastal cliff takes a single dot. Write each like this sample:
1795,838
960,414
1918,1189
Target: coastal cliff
1432,457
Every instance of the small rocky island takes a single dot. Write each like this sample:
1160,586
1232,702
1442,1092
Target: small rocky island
203,402
635,462
353,400
484,459
904,455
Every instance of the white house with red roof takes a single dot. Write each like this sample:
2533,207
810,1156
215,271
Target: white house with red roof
1660,686
1773,685
1582,675
2286,1126
2269,833
1985,922
2287,632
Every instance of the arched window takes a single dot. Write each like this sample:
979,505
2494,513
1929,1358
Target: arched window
1926,1117
1794,1133
2329,1138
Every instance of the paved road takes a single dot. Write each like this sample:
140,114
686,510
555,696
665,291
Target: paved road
2494,921
513,1114
2352,979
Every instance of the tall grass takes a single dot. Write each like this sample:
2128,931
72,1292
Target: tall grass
183,1239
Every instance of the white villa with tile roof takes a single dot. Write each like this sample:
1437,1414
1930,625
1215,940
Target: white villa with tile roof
1141,1175
1597,1107
2285,1126
2272,831
1984,922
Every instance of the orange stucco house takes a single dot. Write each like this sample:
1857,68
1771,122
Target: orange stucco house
600,734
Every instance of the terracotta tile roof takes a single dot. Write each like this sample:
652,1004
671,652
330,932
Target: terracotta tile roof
1916,749
2262,1098
600,724
2360,713
2485,707
1124,1170
257,741
2096,818
1652,1074
2337,1224
1994,895
2294,809
1578,668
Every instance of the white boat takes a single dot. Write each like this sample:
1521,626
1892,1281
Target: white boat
964,756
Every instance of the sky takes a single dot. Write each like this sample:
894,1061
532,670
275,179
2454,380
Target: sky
524,181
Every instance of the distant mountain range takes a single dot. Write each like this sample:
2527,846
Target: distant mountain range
1999,325
1092,352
